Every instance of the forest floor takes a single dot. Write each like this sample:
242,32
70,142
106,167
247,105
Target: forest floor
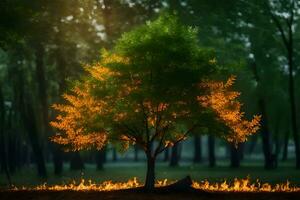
123,171
130,195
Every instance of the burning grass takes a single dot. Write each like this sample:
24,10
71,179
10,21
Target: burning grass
238,185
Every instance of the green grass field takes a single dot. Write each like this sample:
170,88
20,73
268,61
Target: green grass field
121,171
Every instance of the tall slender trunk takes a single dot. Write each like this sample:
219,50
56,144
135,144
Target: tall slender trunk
100,159
211,151
287,37
292,100
150,176
265,133
277,143
31,128
266,139
3,153
285,146
174,156
197,149
234,156
43,97
28,117
12,159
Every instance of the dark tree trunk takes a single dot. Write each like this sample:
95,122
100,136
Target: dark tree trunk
211,151
277,143
3,153
174,161
234,156
12,153
31,128
265,133
266,139
76,162
100,159
43,97
57,159
292,100
288,40
150,176
197,149
285,147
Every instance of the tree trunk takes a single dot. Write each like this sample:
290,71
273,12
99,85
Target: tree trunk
43,97
76,161
3,153
285,147
12,153
150,176
277,143
31,128
266,139
57,159
174,156
288,41
234,156
197,149
211,151
265,133
292,100
100,159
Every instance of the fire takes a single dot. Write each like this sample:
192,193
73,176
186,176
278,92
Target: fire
238,185
244,185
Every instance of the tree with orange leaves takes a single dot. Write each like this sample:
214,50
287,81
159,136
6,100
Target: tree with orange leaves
146,92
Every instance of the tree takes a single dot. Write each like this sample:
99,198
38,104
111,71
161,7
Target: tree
146,92
3,153
284,15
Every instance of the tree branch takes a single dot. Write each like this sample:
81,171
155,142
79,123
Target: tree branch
179,140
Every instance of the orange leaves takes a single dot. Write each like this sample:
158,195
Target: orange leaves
224,103
99,72
75,121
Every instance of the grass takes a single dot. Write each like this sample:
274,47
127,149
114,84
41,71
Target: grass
121,171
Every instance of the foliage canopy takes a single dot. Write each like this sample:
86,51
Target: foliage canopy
149,91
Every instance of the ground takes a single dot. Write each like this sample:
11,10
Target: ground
122,171
129,195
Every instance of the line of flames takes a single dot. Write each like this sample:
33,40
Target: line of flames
238,185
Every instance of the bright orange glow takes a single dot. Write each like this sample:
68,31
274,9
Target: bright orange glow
223,101
238,185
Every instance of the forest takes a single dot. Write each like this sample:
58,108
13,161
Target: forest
111,90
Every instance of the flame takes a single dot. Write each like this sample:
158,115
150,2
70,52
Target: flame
244,185
238,185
